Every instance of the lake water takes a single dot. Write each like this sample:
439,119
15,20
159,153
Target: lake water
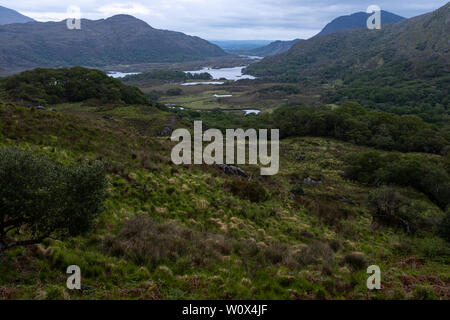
198,83
117,74
252,57
252,111
225,73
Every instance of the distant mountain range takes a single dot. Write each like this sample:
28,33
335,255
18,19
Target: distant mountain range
8,16
236,46
121,39
358,20
415,46
274,48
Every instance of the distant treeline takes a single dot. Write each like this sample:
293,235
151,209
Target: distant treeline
351,122
53,86
168,75
424,173
347,122
395,90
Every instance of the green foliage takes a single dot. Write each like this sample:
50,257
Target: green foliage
52,86
174,92
43,198
389,207
350,122
248,190
444,230
288,89
168,75
356,260
389,90
420,172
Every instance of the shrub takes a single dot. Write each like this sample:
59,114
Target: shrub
248,190
76,84
174,92
356,260
444,230
40,198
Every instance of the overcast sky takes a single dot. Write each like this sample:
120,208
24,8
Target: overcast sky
224,19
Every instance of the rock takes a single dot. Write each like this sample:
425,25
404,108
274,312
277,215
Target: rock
311,181
301,157
40,108
306,234
166,132
232,170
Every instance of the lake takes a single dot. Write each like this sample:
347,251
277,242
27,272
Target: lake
117,74
225,73
252,111
197,83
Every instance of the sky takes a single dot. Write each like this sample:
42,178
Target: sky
224,19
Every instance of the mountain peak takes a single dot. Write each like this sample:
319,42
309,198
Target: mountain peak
8,16
358,20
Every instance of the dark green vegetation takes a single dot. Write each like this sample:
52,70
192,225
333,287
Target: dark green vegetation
426,174
51,86
418,42
40,198
357,20
189,232
348,122
8,16
121,39
350,192
393,90
168,75
273,48
403,68
351,122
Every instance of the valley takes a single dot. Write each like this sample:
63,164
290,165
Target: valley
87,176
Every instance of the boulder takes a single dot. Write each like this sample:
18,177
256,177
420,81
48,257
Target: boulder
232,170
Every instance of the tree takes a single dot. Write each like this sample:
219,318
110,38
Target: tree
40,198
386,205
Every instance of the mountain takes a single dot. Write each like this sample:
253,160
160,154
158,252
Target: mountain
274,48
121,39
8,16
417,47
358,20
240,45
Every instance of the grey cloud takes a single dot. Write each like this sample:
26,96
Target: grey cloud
225,19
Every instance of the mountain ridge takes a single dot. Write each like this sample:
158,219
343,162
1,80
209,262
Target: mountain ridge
357,20
419,42
274,48
9,16
121,39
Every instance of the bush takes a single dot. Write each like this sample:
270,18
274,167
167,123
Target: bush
40,198
444,230
356,260
52,86
248,190
174,92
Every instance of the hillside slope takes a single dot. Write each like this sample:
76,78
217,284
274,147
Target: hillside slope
194,232
121,39
274,48
8,16
357,20
421,45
